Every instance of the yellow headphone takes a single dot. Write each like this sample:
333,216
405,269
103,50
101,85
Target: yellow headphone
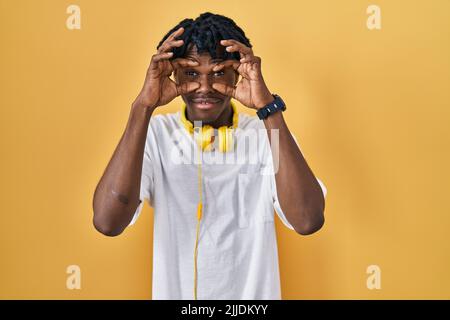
205,141
204,138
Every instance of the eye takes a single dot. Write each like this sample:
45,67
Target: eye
190,73
219,73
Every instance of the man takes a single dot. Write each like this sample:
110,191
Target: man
214,233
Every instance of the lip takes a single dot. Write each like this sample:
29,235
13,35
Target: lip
205,103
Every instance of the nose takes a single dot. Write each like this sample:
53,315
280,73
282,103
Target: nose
205,84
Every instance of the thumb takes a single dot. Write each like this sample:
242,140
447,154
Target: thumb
225,89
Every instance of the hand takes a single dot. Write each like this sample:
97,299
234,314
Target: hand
158,88
251,91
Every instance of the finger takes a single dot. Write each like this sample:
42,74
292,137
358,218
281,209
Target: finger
234,45
187,87
171,38
175,34
243,52
159,57
182,62
246,59
225,89
250,59
166,46
227,63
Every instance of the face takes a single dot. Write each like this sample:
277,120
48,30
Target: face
205,103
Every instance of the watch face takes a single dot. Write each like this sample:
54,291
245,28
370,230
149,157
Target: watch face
277,105
282,102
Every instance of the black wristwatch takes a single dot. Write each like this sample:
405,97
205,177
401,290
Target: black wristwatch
275,106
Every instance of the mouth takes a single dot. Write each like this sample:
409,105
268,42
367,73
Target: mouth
206,103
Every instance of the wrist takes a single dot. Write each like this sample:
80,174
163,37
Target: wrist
139,111
264,101
275,105
138,105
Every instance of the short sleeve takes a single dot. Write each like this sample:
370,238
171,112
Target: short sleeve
147,182
276,202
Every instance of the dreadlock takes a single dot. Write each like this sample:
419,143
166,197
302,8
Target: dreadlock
205,32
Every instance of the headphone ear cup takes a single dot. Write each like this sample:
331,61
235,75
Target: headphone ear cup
204,137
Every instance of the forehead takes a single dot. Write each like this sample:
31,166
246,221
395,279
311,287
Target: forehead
202,58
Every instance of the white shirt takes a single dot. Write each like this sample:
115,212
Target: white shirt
237,248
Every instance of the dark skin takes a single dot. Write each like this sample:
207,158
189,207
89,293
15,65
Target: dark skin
117,194
203,74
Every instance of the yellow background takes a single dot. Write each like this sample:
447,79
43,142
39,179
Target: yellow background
370,109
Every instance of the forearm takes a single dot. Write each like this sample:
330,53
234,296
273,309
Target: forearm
299,192
117,194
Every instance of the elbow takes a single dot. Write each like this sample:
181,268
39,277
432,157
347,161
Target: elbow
105,228
311,226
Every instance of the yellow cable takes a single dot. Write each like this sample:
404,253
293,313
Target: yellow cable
205,143
199,217
195,254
